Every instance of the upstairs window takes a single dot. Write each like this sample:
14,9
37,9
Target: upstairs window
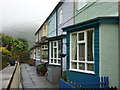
36,37
81,4
60,16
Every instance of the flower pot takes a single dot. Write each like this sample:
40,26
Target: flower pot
62,55
42,73
37,70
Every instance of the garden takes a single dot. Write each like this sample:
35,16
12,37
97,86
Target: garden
12,50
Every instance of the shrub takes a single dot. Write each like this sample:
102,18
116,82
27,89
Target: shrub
42,68
4,51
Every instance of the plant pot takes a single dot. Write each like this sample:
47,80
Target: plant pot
37,70
62,55
42,73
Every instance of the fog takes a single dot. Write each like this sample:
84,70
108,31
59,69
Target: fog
22,18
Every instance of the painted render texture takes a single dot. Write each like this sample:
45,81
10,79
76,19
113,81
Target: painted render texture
67,9
52,25
108,36
109,52
68,13
96,9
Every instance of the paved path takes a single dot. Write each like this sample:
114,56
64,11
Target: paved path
32,80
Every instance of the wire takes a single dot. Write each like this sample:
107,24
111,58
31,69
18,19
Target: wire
77,14
72,16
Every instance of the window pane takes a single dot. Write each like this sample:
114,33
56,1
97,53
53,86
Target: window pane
82,52
81,66
59,48
74,46
74,65
90,45
51,49
46,46
81,36
54,43
42,47
51,60
90,67
81,3
59,61
44,54
55,52
55,61
60,16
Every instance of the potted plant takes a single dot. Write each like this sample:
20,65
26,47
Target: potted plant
62,55
41,69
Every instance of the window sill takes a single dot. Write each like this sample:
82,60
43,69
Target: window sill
81,71
81,8
54,64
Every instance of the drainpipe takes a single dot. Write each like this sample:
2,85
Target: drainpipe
119,47
40,54
74,9
56,23
61,57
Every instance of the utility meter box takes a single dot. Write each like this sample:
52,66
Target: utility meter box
53,73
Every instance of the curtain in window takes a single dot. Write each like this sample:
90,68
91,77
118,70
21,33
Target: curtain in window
59,48
74,46
90,45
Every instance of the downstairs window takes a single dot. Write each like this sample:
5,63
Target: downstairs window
82,51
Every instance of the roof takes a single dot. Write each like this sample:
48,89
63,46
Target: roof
56,8
42,43
56,37
90,22
33,47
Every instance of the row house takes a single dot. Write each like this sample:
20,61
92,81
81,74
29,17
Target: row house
81,38
41,44
93,42
32,53
51,36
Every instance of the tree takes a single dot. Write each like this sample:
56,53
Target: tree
15,47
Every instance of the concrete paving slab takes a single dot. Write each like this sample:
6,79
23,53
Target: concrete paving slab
32,80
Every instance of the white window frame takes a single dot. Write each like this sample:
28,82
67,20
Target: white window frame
38,52
60,16
53,58
81,4
43,47
36,37
85,62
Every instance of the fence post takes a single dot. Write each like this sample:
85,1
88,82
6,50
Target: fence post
106,82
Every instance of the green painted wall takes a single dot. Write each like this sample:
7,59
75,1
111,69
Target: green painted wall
109,52
96,9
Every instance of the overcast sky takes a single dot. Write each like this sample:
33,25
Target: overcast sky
22,18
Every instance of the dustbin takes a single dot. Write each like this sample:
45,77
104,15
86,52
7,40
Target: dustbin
12,62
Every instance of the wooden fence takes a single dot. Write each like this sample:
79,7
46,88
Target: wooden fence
91,82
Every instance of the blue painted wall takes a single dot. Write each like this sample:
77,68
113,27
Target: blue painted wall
72,75
68,13
37,62
52,25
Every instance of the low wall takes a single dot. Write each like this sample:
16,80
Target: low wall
10,77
